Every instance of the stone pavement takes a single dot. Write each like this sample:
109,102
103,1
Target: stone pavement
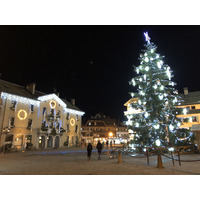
73,161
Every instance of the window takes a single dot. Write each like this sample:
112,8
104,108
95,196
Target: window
58,125
44,110
89,123
12,122
58,114
13,105
194,119
192,107
1,102
32,108
67,127
30,121
67,116
76,129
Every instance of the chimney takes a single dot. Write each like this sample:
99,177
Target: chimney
185,89
31,87
73,102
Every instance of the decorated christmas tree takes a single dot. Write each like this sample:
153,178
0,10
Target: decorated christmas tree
155,122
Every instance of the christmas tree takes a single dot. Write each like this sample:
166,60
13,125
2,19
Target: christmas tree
155,122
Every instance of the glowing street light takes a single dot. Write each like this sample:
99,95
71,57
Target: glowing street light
110,134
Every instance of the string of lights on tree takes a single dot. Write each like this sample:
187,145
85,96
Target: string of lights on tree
155,123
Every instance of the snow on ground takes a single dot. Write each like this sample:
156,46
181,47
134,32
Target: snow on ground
73,161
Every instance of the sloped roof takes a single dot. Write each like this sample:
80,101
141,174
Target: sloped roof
191,98
15,89
69,105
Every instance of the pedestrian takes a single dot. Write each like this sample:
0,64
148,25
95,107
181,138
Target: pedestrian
102,144
114,142
107,143
99,148
111,143
89,151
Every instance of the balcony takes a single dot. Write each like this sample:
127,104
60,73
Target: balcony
44,128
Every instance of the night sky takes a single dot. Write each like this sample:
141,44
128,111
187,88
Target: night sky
94,64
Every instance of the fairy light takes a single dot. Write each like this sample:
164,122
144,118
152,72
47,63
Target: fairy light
133,82
146,114
147,68
160,97
161,87
171,127
20,99
22,114
156,126
52,97
72,121
146,59
52,104
158,142
155,86
184,111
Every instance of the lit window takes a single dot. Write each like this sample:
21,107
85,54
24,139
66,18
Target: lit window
194,119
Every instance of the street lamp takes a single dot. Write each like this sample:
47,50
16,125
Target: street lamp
110,134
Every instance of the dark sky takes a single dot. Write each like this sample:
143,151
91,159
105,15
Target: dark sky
93,64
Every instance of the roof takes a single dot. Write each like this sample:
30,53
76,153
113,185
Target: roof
69,105
132,100
103,121
191,98
15,89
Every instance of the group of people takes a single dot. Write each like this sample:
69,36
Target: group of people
99,149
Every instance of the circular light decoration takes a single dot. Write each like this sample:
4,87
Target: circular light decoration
22,114
52,104
72,121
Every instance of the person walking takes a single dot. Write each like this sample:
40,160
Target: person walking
89,151
99,148
107,143
110,143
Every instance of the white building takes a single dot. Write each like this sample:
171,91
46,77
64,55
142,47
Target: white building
29,117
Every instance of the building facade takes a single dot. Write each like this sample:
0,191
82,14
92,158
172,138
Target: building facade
102,128
32,118
191,103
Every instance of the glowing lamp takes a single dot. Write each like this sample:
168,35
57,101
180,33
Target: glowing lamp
22,114
110,134
158,142
147,68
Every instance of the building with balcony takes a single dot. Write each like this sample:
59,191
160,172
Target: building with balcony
191,102
29,117
100,128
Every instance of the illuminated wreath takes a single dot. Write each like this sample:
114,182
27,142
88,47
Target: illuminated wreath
52,104
72,121
22,114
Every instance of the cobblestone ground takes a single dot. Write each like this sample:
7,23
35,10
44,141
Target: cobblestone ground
73,161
